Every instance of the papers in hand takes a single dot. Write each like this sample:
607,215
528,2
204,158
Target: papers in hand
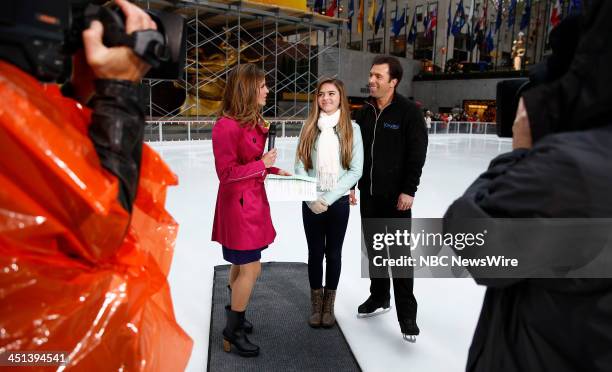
291,188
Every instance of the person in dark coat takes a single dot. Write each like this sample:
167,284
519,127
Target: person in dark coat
560,167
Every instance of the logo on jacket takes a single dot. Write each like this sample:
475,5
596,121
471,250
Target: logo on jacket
391,126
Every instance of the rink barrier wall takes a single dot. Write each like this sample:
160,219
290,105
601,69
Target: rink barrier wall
190,130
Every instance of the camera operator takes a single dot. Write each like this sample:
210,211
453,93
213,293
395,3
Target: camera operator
560,167
104,78
85,240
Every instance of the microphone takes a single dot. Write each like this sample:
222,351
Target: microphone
271,136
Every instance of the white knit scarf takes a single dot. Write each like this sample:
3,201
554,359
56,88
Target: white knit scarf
328,151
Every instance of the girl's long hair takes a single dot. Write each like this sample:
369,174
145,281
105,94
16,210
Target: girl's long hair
344,129
240,95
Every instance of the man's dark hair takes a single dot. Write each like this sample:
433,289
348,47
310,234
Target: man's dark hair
395,69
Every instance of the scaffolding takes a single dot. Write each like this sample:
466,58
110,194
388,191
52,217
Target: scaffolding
289,45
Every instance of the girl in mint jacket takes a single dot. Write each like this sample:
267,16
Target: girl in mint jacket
330,149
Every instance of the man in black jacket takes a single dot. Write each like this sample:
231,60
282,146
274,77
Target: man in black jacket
560,167
395,145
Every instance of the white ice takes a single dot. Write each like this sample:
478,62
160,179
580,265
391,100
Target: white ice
447,308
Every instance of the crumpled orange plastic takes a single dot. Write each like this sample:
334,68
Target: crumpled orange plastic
77,273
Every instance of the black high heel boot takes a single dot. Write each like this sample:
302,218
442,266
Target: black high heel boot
247,326
233,334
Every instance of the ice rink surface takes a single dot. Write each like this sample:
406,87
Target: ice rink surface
448,308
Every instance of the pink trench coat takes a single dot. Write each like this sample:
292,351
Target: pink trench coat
242,213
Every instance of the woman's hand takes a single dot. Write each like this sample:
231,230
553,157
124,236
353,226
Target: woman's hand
282,172
269,158
318,206
352,197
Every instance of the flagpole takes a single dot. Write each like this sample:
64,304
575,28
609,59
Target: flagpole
351,21
537,30
384,24
359,15
372,39
498,30
435,41
546,28
405,30
523,65
472,30
448,32
513,30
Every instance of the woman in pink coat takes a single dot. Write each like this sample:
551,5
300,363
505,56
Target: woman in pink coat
242,224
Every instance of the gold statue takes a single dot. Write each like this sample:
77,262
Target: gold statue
211,63
518,51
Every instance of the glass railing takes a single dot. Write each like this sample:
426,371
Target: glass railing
185,130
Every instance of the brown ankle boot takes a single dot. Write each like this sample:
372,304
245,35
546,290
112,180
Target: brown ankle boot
328,319
316,301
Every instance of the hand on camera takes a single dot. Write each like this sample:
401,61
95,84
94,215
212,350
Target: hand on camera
318,206
521,131
117,62
269,158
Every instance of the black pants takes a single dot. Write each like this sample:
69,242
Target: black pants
325,235
405,302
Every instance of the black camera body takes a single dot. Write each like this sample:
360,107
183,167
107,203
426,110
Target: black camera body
507,99
163,49
40,36
563,41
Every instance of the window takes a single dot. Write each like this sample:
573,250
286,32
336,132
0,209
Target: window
397,46
375,46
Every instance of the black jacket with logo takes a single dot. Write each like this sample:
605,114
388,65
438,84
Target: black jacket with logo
394,145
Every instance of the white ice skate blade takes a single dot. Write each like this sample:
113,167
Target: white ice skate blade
375,313
409,338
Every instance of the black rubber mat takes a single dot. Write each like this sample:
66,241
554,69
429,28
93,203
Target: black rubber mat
279,310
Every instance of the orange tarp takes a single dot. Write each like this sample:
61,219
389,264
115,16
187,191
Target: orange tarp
77,274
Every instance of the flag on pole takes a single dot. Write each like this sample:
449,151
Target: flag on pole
498,20
380,17
511,13
399,22
485,19
318,6
478,34
351,13
555,15
433,22
413,30
426,23
526,15
489,44
371,14
469,41
331,11
459,19
360,18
